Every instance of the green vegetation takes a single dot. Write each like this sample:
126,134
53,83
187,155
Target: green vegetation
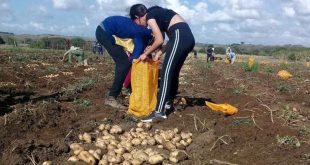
248,68
288,140
269,69
83,103
282,87
78,87
304,131
1,40
242,122
288,115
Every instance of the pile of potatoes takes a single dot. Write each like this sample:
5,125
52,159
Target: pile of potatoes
138,146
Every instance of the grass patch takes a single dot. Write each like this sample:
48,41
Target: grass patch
83,103
304,131
282,87
74,89
242,122
269,69
288,140
246,67
288,115
52,69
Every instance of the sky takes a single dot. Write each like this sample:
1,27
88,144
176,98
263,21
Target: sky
267,22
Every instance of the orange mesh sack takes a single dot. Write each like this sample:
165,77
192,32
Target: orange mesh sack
144,82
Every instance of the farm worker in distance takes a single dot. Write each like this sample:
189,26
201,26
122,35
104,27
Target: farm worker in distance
94,47
122,27
232,56
181,43
77,53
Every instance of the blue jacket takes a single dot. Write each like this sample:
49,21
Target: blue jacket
124,27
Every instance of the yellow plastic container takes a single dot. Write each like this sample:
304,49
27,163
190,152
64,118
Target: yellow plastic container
225,108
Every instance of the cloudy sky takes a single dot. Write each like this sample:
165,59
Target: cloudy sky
265,22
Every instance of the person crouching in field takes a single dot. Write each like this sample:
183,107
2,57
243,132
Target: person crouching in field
232,56
121,27
181,43
77,53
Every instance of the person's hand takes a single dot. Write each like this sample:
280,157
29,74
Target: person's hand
142,57
157,57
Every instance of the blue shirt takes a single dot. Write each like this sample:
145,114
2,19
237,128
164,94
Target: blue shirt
124,27
232,54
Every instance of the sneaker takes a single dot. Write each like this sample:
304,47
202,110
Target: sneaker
126,91
111,101
154,115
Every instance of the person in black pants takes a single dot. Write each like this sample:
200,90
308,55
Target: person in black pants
122,27
181,43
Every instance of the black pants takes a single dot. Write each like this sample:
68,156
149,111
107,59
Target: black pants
122,64
181,43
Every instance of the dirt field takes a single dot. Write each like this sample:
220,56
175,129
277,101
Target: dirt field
41,116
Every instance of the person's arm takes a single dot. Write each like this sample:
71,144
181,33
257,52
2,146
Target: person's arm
160,53
138,48
158,39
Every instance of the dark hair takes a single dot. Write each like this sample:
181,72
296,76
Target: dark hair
137,10
152,8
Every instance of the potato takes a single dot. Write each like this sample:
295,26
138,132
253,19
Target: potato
140,125
151,141
136,141
75,146
136,162
87,138
177,156
114,159
97,154
159,139
103,162
189,141
184,143
111,153
160,146
107,127
47,163
120,151
180,146
111,147
176,139
144,142
87,157
101,127
114,142
126,162
141,155
176,130
116,129
101,145
73,159
127,156
169,146
148,126
81,137
139,129
186,135
156,159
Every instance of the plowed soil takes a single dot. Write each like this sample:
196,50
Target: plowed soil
40,116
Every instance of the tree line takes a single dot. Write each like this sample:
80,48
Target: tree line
58,43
